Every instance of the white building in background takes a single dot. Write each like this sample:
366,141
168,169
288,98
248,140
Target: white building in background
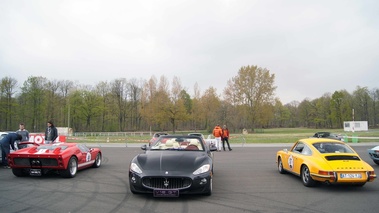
66,131
352,126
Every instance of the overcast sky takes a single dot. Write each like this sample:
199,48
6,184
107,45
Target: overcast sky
312,47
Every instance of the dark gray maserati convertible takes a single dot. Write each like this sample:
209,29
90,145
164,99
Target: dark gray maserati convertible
173,165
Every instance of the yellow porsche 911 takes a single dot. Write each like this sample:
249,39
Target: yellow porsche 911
324,160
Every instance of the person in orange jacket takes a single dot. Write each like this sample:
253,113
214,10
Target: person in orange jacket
225,137
217,133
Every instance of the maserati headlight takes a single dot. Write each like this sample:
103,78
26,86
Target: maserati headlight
202,169
135,168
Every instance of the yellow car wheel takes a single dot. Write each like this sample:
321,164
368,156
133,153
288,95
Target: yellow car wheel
280,166
306,177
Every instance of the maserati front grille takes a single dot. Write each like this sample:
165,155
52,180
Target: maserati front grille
166,183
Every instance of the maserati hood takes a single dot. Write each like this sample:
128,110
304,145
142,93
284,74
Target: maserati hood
175,162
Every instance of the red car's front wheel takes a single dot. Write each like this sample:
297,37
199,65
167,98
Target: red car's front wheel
97,162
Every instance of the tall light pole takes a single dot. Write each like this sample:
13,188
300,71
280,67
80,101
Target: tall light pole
353,121
68,117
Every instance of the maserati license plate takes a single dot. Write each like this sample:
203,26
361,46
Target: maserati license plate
166,193
35,172
346,176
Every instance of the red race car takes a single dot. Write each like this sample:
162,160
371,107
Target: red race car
64,158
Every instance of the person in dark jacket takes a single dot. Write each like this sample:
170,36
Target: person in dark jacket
225,137
51,133
6,142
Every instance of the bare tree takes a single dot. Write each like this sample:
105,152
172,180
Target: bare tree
34,95
119,91
253,88
7,104
210,108
374,93
135,92
176,110
103,90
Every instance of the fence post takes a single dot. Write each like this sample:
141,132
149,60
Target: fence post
345,138
354,139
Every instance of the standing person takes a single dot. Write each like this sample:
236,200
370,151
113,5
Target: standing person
24,133
51,133
217,133
225,137
7,142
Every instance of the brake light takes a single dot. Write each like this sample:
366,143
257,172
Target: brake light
323,172
327,173
371,175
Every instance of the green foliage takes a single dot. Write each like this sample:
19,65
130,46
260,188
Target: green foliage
273,135
253,88
7,103
129,105
34,94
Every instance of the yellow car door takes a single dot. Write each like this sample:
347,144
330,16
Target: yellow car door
296,157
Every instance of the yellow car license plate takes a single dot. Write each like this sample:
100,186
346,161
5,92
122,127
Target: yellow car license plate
350,175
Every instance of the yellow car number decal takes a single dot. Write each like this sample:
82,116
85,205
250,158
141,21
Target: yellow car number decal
290,162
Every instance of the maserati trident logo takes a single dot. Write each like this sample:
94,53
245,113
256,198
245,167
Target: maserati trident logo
165,183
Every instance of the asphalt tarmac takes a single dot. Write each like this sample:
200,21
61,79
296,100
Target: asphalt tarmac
245,180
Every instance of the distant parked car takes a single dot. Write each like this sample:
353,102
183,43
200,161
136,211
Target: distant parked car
197,134
209,141
374,154
328,135
156,136
2,134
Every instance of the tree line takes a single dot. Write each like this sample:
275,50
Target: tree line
247,102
